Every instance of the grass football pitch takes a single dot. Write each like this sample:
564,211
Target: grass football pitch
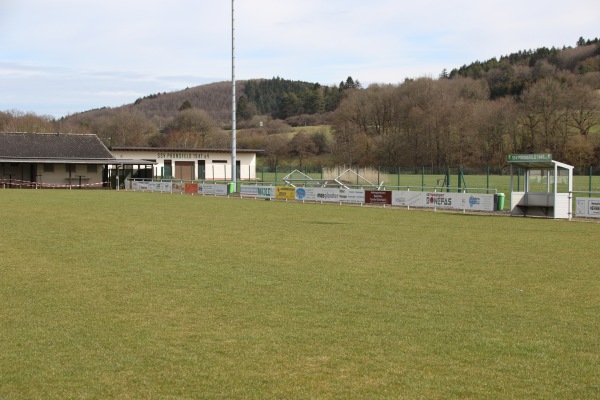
107,294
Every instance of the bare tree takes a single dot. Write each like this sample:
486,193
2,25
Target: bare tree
583,112
17,121
543,115
496,130
302,146
124,129
276,147
191,127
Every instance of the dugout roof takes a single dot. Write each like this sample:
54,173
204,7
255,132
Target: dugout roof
536,161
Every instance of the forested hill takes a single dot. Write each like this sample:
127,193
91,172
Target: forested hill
508,75
278,98
542,100
512,73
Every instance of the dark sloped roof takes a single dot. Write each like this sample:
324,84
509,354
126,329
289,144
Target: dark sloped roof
52,146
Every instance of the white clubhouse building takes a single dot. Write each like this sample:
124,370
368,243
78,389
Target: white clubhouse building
192,164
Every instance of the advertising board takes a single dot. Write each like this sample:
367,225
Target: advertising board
354,196
151,186
378,197
209,189
191,188
587,207
407,199
331,195
453,201
261,192
285,192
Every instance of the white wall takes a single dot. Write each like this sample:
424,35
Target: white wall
214,170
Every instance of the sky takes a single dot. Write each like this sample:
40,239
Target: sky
61,57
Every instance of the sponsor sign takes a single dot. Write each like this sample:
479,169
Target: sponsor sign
460,201
191,188
263,192
454,201
212,189
354,196
151,186
477,202
301,193
178,187
587,207
318,194
331,195
438,199
407,199
285,192
328,195
378,197
310,194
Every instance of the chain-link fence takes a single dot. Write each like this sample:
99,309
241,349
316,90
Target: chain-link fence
481,180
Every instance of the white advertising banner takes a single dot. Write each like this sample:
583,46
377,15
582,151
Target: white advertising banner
587,207
321,194
453,201
152,186
209,189
354,196
261,192
407,199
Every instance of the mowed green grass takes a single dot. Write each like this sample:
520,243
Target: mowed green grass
107,294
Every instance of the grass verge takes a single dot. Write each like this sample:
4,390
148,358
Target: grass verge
109,294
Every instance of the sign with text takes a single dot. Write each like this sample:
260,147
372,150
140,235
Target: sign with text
212,189
453,201
378,197
587,207
151,186
407,199
285,193
318,194
331,195
354,196
261,192
529,157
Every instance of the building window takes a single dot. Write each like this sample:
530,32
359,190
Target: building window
71,167
92,168
48,167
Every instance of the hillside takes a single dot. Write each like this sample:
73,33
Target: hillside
542,100
278,98
512,74
214,98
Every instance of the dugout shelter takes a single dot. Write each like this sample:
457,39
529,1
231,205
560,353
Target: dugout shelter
540,186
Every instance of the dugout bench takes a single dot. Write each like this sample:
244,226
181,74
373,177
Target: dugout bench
540,186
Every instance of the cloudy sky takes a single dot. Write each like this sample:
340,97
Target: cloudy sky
64,56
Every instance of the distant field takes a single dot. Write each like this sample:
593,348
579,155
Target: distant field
107,294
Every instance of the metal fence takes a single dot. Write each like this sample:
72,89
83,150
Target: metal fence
586,181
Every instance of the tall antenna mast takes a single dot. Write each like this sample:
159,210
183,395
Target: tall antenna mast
233,106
